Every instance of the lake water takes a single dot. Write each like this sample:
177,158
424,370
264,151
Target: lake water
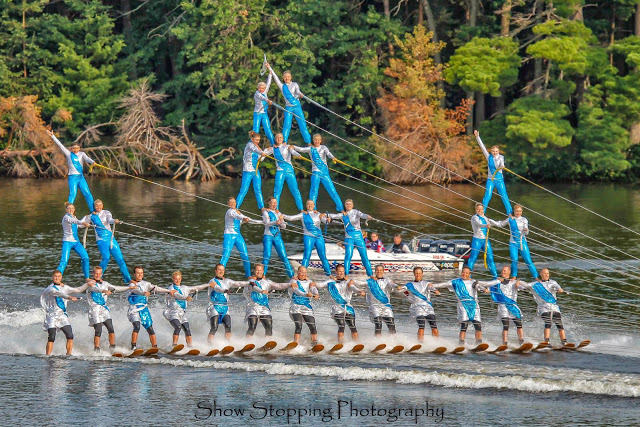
599,385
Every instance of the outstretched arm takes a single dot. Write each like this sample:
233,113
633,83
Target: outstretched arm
482,147
114,288
279,286
238,284
58,143
275,77
297,217
78,290
302,149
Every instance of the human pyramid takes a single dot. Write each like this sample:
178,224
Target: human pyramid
256,287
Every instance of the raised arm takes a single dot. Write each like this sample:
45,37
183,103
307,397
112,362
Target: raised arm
275,77
269,84
482,147
59,144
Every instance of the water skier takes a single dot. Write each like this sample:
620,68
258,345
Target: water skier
218,309
495,177
379,290
418,292
519,228
251,176
292,95
505,293
176,307
284,170
71,241
261,105
544,293
257,295
273,223
232,236
301,291
350,218
480,242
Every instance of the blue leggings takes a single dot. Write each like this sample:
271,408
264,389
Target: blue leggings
231,240
76,181
66,253
514,250
311,242
288,120
106,251
316,178
267,242
263,119
358,242
287,175
477,247
502,191
249,178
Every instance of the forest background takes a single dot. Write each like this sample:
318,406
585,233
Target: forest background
555,83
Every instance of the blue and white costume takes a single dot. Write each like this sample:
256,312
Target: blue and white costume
379,297
71,241
505,293
257,302
341,291
273,237
250,175
107,244
260,116
75,174
312,237
97,299
497,181
218,298
320,174
138,303
54,302
176,305
300,303
292,95
232,237
519,228
353,238
544,293
285,172
467,293
479,224
420,298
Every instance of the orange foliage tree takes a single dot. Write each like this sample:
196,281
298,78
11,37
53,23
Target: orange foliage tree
414,118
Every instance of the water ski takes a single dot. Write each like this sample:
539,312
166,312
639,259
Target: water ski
396,349
499,349
357,348
541,346
440,350
213,352
228,349
270,345
583,343
317,348
336,348
378,348
246,348
458,350
134,353
193,352
566,346
480,347
523,348
289,346
151,351
414,348
176,348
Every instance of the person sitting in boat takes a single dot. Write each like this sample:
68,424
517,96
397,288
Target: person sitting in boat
176,307
218,309
70,240
495,177
139,314
274,222
378,289
350,218
256,292
250,175
292,95
54,302
374,243
232,237
421,310
320,170
519,228
480,242
261,105
466,290
341,290
99,313
107,243
75,173
312,236
301,291
544,293
398,247
284,170
504,291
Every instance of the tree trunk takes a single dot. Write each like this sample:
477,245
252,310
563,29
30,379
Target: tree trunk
387,14
637,24
480,108
431,24
473,13
24,39
126,29
505,18
420,12
470,116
